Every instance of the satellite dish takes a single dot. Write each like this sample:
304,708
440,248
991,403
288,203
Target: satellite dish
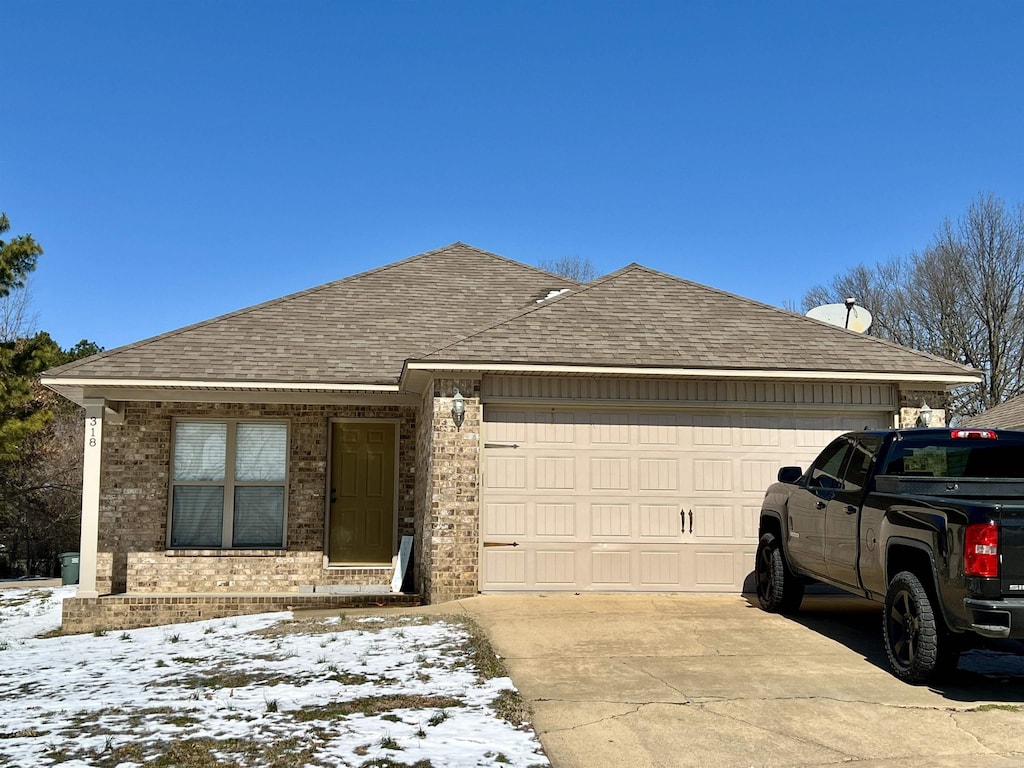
848,315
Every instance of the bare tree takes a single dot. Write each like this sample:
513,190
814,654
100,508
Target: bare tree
576,268
16,317
962,299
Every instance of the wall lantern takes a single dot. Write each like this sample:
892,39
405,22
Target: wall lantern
458,409
924,418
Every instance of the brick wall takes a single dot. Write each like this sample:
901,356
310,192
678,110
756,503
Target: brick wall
117,612
134,501
449,495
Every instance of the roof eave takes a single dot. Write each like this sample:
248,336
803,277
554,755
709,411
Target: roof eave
414,369
78,390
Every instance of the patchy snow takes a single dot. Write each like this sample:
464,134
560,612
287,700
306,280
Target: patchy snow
249,690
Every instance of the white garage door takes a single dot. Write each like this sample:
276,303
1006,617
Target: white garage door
605,500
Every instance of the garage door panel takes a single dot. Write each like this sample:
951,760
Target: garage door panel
555,520
505,519
659,521
609,429
609,473
556,568
610,500
657,429
751,516
555,473
610,520
760,431
506,568
611,569
558,428
712,475
506,472
660,569
714,570
658,474
757,474
507,426
714,521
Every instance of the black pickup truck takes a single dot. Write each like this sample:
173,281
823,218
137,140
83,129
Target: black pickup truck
929,522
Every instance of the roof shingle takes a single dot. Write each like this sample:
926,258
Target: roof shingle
460,303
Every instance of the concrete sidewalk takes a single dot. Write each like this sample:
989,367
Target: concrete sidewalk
701,680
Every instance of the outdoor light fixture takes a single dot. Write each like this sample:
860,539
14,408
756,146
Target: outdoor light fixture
458,409
924,418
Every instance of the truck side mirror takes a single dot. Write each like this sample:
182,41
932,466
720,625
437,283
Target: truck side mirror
790,474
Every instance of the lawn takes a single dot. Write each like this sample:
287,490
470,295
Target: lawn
265,690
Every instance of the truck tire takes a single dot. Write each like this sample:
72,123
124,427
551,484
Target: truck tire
918,647
778,589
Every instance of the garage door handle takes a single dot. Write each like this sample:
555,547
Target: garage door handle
501,543
501,445
682,521
820,505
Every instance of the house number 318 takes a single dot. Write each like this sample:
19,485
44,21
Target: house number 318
92,432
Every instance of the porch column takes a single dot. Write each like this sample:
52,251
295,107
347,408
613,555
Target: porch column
94,412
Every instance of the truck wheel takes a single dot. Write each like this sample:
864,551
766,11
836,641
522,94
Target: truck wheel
917,645
778,589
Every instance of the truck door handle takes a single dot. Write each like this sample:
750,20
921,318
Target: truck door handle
820,505
850,509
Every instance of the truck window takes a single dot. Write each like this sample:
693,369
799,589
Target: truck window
957,458
826,471
859,468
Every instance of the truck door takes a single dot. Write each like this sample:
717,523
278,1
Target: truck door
842,514
808,503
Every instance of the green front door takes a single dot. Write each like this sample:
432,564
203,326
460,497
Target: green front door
362,512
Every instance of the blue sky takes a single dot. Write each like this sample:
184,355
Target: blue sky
178,160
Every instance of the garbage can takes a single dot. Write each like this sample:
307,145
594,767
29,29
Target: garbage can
68,567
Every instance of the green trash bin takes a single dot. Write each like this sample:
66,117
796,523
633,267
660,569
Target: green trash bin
68,567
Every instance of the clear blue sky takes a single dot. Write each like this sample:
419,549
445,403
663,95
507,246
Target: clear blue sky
178,160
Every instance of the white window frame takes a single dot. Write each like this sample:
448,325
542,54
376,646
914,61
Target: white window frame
229,483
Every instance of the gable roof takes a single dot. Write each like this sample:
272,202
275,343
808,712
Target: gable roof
358,330
640,317
1008,415
461,308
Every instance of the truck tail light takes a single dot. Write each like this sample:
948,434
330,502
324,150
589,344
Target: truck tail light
981,550
974,434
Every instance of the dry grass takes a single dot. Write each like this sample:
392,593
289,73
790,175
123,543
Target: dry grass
375,705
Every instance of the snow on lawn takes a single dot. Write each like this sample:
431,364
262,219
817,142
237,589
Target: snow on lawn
261,690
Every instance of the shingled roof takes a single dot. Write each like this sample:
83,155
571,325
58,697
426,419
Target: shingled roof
358,330
641,317
1008,415
460,304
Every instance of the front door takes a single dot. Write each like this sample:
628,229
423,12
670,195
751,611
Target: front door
362,512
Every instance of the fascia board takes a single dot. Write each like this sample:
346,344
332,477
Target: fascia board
949,380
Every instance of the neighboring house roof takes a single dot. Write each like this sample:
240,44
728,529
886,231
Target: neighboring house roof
462,305
358,330
640,317
1008,415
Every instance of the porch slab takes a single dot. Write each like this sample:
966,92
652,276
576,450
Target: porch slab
131,611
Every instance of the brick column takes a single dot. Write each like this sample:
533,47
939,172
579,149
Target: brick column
449,539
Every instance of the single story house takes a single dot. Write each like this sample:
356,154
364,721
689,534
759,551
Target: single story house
528,432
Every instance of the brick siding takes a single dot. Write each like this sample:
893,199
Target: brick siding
448,494
132,554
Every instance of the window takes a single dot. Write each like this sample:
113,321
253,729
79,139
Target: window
860,463
228,484
826,471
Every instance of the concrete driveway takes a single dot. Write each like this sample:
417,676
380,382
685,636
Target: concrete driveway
701,680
